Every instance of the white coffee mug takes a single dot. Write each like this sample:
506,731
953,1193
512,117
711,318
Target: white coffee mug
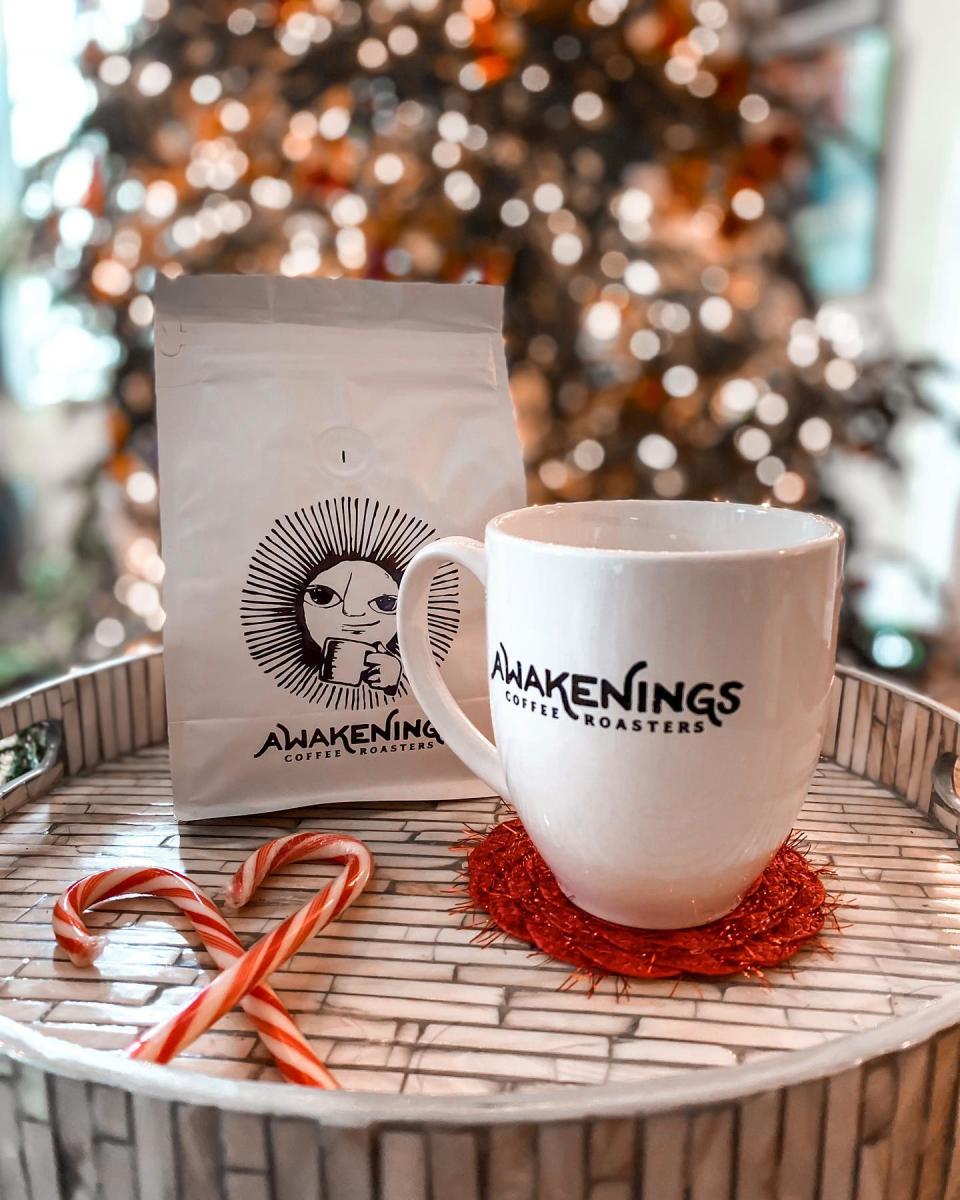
659,680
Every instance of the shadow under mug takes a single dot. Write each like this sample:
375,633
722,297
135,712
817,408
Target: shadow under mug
659,676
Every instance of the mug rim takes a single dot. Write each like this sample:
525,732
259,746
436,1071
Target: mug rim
831,532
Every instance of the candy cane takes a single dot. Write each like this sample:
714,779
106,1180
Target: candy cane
293,1055
167,1039
297,847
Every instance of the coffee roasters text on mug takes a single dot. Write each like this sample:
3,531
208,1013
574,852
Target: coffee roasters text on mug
599,701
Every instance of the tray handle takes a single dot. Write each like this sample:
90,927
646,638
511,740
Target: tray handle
946,780
31,762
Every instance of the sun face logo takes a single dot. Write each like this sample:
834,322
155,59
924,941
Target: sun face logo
319,609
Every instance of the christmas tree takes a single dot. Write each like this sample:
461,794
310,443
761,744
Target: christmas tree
625,169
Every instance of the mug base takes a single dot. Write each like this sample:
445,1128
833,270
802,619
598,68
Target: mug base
666,917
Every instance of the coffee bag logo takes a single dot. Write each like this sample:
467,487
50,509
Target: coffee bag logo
385,735
634,702
320,602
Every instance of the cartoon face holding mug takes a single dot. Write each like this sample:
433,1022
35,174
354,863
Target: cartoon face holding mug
349,613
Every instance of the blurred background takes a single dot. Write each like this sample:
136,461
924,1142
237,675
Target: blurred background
728,231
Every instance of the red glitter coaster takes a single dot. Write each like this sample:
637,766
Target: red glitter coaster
509,882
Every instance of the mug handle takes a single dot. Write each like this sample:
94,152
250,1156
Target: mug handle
466,741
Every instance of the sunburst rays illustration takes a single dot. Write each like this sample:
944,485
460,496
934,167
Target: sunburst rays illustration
301,544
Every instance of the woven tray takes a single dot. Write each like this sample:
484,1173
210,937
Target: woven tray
471,1073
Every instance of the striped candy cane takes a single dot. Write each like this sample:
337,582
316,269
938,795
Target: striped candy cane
167,1039
298,847
291,1052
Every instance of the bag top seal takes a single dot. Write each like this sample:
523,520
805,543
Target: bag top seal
345,303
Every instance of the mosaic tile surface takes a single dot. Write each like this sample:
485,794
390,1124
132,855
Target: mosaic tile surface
398,997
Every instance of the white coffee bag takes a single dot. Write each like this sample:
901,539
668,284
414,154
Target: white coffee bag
313,435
